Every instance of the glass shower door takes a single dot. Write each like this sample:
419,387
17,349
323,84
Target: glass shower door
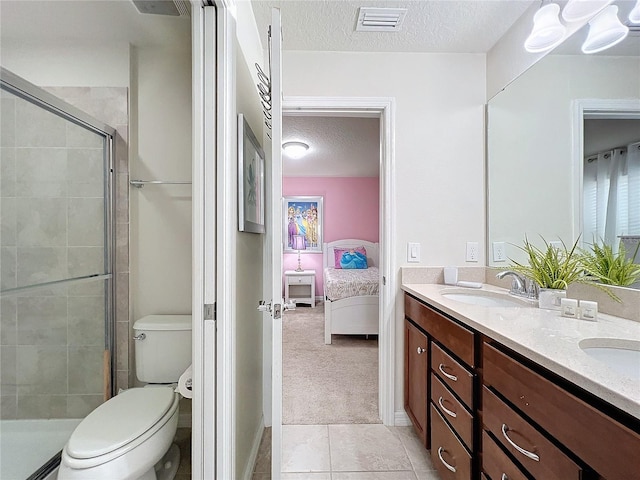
56,284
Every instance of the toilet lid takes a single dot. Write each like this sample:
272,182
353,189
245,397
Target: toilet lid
119,421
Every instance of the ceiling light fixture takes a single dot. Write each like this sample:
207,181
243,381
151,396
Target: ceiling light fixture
295,149
547,31
605,31
634,14
576,10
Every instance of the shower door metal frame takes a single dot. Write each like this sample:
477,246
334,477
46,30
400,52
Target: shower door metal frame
27,91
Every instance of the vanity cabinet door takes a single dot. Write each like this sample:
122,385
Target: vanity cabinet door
603,443
453,411
497,464
448,455
416,368
537,454
452,374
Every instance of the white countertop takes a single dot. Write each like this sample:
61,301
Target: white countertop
549,339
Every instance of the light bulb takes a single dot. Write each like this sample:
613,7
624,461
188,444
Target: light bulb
605,31
634,15
547,31
576,10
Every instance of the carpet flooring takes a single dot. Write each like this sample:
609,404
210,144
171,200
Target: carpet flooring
326,384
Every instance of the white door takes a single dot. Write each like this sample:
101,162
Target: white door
275,232
204,243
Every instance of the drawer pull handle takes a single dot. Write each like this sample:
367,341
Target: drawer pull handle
453,378
449,467
446,410
526,453
421,350
504,477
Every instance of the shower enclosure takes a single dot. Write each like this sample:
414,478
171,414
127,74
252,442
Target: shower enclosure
56,274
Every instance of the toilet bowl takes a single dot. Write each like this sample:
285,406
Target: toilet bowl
129,437
124,438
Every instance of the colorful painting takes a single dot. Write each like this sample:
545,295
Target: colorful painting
303,216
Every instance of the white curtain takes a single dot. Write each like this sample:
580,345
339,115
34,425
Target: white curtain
611,188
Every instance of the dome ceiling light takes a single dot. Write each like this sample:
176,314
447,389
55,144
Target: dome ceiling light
295,149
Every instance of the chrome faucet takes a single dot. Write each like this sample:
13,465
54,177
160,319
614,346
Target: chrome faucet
520,285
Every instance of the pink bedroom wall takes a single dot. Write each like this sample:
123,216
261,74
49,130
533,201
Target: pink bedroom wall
351,206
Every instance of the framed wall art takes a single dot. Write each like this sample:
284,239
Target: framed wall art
250,180
302,216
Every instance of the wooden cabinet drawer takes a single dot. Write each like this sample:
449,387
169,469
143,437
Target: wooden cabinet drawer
453,411
449,456
452,374
416,371
606,445
458,339
497,464
510,428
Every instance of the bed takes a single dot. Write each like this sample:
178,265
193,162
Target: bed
351,295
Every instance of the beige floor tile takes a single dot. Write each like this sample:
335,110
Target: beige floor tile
427,475
405,475
365,448
305,448
418,455
263,460
306,476
261,476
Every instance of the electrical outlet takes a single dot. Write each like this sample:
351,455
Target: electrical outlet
472,251
499,252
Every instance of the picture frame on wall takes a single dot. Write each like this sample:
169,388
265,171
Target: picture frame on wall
302,215
251,196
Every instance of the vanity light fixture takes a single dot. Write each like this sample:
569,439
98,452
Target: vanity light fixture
547,31
634,14
605,31
295,149
576,10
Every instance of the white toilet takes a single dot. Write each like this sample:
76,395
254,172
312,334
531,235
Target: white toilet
130,436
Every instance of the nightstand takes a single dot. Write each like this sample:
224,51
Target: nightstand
300,286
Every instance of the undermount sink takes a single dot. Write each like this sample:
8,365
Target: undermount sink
620,355
485,298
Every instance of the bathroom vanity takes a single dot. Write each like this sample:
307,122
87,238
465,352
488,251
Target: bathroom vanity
508,393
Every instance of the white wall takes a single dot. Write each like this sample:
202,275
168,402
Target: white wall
439,144
160,149
248,354
68,65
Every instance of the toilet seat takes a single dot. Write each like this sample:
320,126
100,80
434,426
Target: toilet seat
124,422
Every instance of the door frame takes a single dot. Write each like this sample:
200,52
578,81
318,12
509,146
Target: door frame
384,109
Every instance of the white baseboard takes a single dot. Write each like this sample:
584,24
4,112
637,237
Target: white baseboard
253,455
401,419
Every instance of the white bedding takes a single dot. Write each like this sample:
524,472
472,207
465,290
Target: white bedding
344,283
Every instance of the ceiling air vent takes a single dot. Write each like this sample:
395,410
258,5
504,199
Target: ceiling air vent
373,19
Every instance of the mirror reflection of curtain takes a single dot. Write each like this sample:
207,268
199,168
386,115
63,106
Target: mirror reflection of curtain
611,190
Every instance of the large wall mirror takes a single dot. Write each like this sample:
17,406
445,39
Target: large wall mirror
567,111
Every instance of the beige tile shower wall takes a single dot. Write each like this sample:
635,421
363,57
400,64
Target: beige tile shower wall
52,341
111,105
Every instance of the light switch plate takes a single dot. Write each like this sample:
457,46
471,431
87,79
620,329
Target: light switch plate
413,252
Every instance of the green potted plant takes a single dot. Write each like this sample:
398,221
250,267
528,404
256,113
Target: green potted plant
552,269
609,268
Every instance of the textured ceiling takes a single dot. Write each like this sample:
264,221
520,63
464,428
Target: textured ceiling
338,146
89,22
436,26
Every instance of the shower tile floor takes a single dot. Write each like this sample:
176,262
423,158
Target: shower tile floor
347,452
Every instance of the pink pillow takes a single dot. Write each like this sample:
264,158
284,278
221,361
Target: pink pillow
357,259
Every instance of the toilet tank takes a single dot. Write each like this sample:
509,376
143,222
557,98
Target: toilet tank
162,347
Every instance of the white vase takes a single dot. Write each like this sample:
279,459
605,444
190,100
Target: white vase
549,298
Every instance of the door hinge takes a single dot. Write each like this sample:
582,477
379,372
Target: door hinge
210,311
